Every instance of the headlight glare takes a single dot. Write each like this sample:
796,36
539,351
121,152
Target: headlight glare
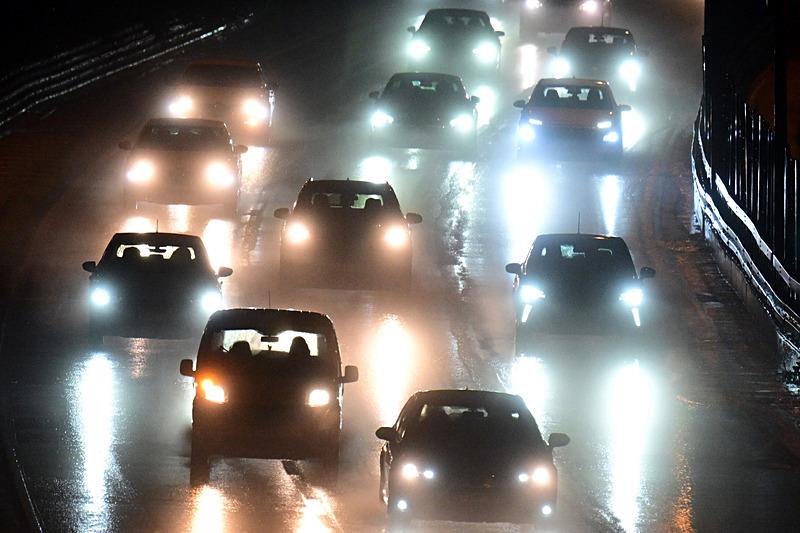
462,123
611,137
589,6
297,233
211,301
380,119
418,49
561,67
396,236
100,297
630,71
541,476
220,174
526,133
632,297
604,124
535,122
318,398
212,391
181,106
531,294
254,110
486,52
141,171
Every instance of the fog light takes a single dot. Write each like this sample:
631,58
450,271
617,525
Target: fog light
402,505
100,297
297,233
211,301
611,137
547,510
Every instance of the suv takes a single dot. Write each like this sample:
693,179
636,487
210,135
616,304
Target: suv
269,384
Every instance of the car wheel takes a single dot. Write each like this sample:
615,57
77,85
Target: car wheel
200,462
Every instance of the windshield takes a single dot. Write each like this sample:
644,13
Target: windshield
572,96
255,344
600,41
183,137
223,76
587,259
147,257
457,21
422,87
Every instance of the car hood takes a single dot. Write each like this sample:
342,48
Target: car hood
424,109
210,93
181,159
578,118
156,283
458,38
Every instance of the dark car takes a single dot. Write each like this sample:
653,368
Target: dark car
602,53
570,118
152,285
183,161
557,16
343,232
234,91
425,109
456,41
269,385
575,283
468,455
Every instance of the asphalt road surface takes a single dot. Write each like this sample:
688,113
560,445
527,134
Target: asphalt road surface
674,435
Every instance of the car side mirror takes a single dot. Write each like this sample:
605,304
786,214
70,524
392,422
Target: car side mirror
375,95
475,99
520,104
413,218
125,145
224,272
386,433
187,368
552,50
500,33
623,107
558,440
89,266
647,273
412,30
281,213
240,149
350,374
514,268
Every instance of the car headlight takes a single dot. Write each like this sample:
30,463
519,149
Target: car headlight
611,137
526,133
589,6
100,297
530,294
630,70
212,391
297,233
220,175
141,171
380,119
410,471
318,398
181,106
418,49
535,122
254,110
211,301
533,4
561,67
396,236
604,124
462,123
632,297
485,52
540,476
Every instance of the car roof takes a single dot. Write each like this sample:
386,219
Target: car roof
415,75
191,122
466,396
456,11
347,185
226,62
232,318
571,82
577,237
158,238
600,29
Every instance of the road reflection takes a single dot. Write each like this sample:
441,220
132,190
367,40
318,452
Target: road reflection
209,510
527,206
610,193
375,168
528,66
529,379
218,238
393,353
314,513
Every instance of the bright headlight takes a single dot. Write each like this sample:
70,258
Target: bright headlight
254,110
604,124
297,233
485,52
212,392
526,133
410,471
418,49
630,71
462,123
561,67
541,476
396,236
589,6
181,106
632,297
318,398
533,4
141,171
611,137
530,293
380,119
535,122
211,301
220,174
100,297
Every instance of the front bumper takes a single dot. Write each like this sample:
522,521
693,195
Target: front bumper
307,263
578,319
569,142
261,432
191,192
424,136
148,321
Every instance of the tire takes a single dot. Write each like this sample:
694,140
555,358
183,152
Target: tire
200,462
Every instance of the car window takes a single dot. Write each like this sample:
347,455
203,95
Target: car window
290,344
133,256
581,258
223,76
599,40
499,424
456,21
424,87
572,96
339,200
183,137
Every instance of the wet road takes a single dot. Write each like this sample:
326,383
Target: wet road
665,438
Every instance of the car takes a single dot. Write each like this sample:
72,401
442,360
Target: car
152,285
425,109
467,455
344,232
183,161
557,16
455,41
269,385
570,118
230,90
600,52
578,284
